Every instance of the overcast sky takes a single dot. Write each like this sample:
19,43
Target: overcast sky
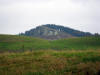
20,15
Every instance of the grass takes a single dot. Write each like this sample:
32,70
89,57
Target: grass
22,43
21,55
51,62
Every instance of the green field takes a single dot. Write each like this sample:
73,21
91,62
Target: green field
51,63
22,43
21,55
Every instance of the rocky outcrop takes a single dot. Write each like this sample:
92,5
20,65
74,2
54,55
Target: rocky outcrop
53,32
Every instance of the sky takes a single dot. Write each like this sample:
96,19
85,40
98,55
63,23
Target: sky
20,15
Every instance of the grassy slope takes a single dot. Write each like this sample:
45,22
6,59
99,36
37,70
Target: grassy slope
11,42
84,43
20,43
84,61
50,63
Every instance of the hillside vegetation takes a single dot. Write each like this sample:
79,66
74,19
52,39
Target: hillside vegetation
50,63
22,43
21,55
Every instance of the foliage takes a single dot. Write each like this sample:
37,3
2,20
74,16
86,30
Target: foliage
50,62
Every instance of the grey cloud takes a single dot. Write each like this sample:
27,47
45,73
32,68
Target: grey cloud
79,14
8,2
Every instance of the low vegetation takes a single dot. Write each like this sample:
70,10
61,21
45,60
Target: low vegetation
23,43
21,55
51,62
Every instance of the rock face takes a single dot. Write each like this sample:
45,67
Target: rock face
53,32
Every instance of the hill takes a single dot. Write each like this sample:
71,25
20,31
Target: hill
22,43
53,32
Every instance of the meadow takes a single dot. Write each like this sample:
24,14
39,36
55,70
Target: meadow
23,43
50,62
21,55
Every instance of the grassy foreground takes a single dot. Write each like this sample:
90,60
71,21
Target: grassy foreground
51,62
